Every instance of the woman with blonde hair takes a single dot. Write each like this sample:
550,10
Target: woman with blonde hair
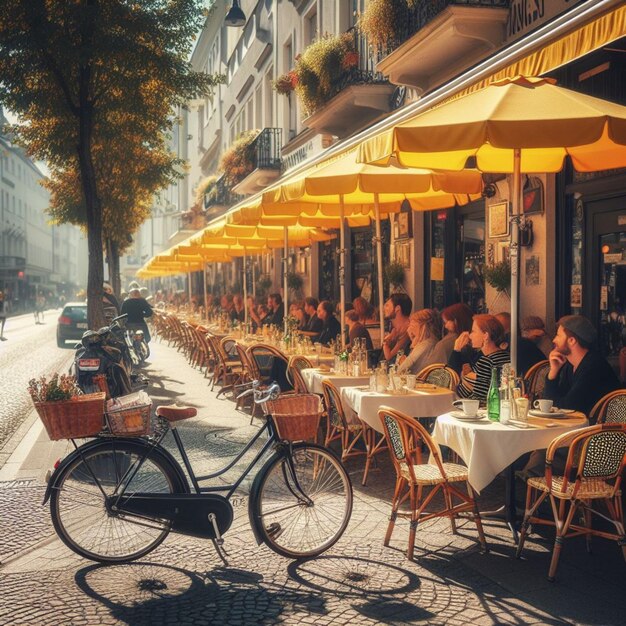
424,331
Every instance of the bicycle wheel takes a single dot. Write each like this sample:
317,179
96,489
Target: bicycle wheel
83,518
284,520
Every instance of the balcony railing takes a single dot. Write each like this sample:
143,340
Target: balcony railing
365,71
220,195
423,12
265,150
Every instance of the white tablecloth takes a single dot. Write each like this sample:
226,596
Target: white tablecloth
419,403
314,377
488,447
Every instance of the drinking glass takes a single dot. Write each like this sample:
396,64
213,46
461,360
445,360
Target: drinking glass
521,405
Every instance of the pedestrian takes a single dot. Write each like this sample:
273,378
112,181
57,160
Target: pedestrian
137,309
40,305
3,316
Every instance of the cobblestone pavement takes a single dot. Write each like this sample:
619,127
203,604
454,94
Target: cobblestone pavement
29,352
357,581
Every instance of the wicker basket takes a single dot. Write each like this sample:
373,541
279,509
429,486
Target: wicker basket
296,416
71,419
133,421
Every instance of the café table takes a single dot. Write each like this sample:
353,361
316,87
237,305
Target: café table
315,376
489,448
425,401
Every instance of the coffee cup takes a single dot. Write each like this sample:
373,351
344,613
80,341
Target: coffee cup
545,406
469,407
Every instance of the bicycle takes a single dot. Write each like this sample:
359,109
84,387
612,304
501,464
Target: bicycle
114,500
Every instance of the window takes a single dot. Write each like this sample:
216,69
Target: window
309,34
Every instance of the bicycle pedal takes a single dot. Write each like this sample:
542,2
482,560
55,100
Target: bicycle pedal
274,530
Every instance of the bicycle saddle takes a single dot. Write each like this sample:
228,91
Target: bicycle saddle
176,413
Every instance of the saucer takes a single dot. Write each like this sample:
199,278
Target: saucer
462,416
553,413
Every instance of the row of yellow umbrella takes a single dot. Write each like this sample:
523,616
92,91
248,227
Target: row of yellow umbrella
512,126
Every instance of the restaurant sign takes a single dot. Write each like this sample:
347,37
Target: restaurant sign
527,15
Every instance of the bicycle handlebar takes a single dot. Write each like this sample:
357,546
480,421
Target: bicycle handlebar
260,395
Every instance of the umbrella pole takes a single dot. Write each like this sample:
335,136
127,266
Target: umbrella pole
189,286
245,290
514,254
379,265
206,308
342,271
285,268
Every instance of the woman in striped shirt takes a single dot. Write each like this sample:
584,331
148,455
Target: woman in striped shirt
485,338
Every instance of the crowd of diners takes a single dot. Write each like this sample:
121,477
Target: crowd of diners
472,344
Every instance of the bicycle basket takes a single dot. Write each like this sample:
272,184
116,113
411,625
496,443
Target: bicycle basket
296,416
71,419
129,416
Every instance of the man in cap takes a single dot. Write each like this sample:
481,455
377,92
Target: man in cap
579,376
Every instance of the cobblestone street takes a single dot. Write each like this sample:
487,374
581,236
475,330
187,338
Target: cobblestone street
357,581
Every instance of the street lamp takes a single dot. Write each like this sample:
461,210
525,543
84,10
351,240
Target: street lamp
235,16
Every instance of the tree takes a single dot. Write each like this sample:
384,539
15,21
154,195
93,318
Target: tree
78,73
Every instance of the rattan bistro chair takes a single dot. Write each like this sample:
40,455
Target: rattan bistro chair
535,380
439,374
415,476
610,409
337,426
294,375
596,458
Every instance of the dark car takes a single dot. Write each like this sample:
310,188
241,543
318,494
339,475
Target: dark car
72,323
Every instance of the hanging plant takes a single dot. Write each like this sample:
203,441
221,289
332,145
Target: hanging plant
264,284
206,191
394,274
384,21
238,161
285,83
320,68
498,276
294,282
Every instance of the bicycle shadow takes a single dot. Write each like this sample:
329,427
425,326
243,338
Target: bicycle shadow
150,593
379,589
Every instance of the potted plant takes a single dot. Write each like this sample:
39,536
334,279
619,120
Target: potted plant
320,68
238,161
65,411
206,191
394,276
498,276
294,282
382,22
285,83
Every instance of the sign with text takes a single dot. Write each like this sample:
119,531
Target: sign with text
527,15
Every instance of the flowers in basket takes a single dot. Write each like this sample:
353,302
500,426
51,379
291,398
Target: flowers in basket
56,389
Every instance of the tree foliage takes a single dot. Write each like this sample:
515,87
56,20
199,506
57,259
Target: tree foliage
94,83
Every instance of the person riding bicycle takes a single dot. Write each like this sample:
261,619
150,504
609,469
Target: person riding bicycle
137,309
110,303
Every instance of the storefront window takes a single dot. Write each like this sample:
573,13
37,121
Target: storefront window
473,256
363,257
576,288
328,271
437,261
612,292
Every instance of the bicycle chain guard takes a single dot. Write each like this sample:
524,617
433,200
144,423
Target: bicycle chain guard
188,513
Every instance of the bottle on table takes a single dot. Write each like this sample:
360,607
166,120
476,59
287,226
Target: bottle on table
493,397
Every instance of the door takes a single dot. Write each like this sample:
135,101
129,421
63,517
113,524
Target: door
605,285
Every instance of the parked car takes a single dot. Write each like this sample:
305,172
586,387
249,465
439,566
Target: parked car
72,323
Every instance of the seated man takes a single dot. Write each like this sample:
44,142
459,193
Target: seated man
579,375
314,325
397,309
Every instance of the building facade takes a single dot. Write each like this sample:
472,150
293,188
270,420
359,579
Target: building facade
36,257
572,257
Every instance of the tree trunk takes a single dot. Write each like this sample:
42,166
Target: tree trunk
114,267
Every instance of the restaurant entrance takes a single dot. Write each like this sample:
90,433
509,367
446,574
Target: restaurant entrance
605,282
455,257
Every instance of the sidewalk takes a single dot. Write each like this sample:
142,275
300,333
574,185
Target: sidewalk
357,581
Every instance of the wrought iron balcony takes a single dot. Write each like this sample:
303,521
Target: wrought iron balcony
219,195
421,13
441,39
360,95
266,161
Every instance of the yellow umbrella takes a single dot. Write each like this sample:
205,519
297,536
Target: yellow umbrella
345,187
520,124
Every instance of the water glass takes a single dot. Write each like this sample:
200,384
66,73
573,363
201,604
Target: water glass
373,382
521,404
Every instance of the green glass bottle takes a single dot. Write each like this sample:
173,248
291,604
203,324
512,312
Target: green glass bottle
493,397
